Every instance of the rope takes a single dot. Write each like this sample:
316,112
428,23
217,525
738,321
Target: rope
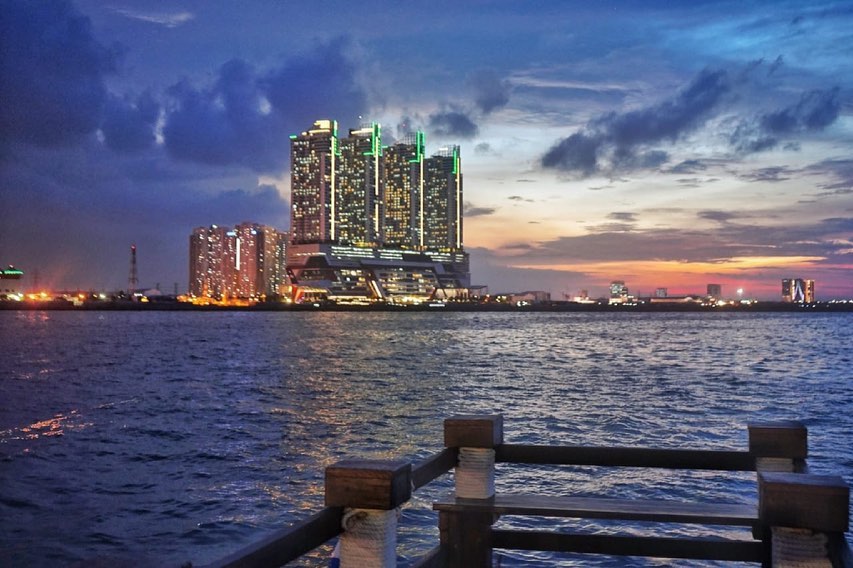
799,548
774,464
369,538
475,473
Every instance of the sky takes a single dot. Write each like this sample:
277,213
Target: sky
665,144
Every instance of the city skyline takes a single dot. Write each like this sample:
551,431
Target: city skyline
663,146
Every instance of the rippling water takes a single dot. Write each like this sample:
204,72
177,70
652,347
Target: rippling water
174,437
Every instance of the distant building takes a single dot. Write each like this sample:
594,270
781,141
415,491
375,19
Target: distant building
373,223
715,291
618,292
660,293
244,262
529,297
798,291
10,283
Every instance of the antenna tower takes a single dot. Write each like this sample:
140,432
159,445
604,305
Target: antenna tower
133,278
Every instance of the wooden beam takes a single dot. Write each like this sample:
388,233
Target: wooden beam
607,508
474,431
434,466
368,484
787,439
797,500
660,547
287,544
626,457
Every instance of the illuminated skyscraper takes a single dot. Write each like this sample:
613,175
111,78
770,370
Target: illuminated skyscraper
245,262
403,187
358,206
312,183
618,289
440,222
715,291
372,223
798,291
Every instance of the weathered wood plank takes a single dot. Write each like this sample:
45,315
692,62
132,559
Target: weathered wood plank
798,500
722,460
661,547
607,508
433,467
466,538
475,431
785,439
287,544
368,484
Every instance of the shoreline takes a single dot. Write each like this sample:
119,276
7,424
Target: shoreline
61,305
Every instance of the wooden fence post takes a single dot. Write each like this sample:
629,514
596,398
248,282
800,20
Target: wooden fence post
778,446
801,513
467,537
370,492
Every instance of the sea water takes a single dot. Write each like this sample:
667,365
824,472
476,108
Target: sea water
172,437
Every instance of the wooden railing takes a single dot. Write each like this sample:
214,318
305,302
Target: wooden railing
810,511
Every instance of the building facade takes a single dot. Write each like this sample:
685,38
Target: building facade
246,262
798,291
374,223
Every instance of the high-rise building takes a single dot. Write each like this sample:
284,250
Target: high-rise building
440,223
372,222
313,168
403,187
618,289
798,291
715,291
358,204
244,262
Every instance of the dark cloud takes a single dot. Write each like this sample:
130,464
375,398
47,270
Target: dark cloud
622,243
471,211
814,111
52,72
320,84
490,91
623,216
577,153
772,174
452,123
225,124
688,167
128,125
840,170
483,149
717,215
245,117
519,198
616,141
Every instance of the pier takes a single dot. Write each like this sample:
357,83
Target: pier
799,519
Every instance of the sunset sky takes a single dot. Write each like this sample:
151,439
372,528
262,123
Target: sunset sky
661,143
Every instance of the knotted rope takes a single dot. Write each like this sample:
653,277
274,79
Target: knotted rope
369,538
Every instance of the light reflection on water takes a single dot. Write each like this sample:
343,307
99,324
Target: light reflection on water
188,435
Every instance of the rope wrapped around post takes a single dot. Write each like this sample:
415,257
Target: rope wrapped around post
370,493
369,538
799,512
475,473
